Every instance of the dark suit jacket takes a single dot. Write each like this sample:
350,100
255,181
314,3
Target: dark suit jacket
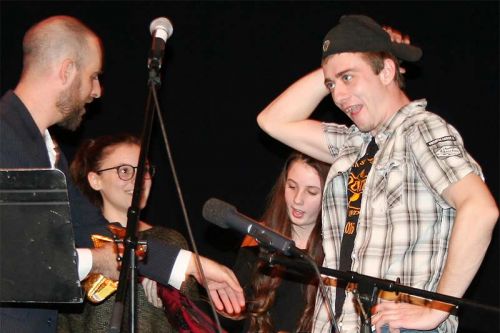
23,146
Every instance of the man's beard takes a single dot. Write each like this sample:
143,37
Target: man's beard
70,105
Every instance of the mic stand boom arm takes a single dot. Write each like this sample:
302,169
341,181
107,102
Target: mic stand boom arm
368,288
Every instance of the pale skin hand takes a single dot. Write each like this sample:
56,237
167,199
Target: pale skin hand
405,315
104,261
223,286
476,217
151,291
396,35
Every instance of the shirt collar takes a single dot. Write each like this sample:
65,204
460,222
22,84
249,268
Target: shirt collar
397,119
51,148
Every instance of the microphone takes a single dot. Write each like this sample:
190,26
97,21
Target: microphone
226,216
161,29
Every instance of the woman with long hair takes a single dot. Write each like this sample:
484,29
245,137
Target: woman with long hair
279,301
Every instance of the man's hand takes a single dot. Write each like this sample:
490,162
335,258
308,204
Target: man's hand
151,291
104,261
396,35
223,286
407,316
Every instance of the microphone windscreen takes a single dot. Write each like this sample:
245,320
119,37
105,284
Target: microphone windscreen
217,211
162,23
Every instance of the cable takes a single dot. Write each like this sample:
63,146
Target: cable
184,211
324,294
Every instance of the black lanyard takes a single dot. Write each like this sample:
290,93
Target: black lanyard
356,183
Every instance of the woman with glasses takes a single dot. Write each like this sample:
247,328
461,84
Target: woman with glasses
104,169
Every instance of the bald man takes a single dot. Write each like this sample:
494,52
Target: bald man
61,66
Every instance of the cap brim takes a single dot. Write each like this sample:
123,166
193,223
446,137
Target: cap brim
406,52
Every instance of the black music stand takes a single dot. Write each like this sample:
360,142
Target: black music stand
38,260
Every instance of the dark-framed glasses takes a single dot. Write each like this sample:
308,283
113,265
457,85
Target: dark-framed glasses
127,171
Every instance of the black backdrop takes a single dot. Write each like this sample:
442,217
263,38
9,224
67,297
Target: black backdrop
227,60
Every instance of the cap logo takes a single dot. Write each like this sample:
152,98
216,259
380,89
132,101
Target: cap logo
326,44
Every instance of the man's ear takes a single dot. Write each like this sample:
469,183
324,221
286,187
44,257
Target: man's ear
67,71
388,73
94,181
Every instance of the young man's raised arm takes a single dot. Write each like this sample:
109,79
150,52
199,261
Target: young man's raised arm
287,117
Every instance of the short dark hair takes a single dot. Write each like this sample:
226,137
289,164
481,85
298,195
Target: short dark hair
376,62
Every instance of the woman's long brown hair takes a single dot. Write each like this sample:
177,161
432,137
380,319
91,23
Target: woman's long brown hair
276,217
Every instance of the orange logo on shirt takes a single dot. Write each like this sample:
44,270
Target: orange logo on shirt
349,228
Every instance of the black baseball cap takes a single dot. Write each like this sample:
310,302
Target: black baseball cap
359,33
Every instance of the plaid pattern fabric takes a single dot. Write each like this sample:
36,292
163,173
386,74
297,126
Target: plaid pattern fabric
404,224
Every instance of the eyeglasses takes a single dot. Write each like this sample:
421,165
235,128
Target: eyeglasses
127,172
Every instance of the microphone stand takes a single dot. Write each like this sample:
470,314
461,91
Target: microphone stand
368,287
128,272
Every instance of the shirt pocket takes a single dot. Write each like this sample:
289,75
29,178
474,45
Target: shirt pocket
388,188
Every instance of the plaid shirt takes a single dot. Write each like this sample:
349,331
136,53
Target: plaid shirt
405,224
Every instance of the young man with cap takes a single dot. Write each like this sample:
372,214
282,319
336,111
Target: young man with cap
403,198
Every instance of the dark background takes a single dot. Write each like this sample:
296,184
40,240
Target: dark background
227,60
